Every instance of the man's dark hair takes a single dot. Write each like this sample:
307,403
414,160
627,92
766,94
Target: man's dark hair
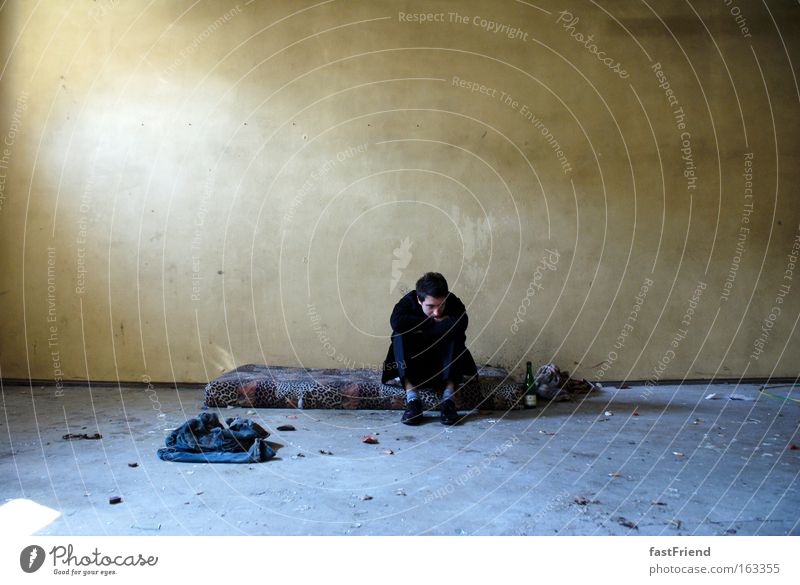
432,284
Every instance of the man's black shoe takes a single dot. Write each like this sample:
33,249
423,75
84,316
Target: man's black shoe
413,413
449,414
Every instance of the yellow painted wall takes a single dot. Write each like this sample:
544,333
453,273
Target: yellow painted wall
189,186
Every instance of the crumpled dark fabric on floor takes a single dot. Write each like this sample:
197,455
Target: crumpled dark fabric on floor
204,439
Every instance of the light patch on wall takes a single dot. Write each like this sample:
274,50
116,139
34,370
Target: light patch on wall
402,256
476,238
218,359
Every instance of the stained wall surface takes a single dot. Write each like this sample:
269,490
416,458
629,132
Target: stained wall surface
190,186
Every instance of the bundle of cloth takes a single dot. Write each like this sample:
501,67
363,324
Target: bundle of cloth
204,439
554,385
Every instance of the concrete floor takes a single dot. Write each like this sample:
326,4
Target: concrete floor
682,465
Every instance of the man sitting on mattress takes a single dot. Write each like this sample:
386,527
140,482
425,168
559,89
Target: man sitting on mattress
428,348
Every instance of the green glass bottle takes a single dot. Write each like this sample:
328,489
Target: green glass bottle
529,399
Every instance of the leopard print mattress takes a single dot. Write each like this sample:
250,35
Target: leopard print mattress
285,387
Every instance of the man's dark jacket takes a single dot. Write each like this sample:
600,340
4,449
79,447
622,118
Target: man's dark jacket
408,318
